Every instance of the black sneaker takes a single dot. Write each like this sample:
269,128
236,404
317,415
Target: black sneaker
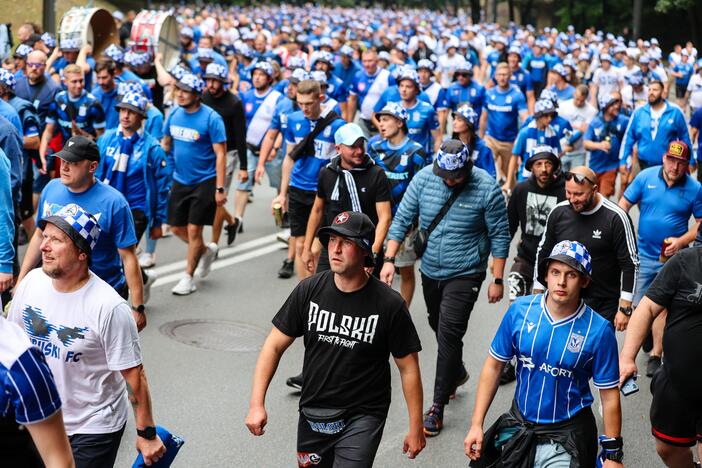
295,382
434,420
654,362
240,223
287,270
232,230
461,380
509,374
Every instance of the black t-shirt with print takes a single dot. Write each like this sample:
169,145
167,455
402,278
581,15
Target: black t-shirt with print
348,339
678,287
370,186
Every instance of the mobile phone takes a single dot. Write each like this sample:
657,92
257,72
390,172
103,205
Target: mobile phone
630,386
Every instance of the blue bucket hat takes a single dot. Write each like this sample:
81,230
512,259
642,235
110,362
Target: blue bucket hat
7,79
394,109
216,71
79,225
452,160
467,113
135,102
572,253
191,83
115,53
543,107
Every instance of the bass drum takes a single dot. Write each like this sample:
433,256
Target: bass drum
156,31
94,26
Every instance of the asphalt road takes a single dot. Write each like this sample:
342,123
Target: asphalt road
200,385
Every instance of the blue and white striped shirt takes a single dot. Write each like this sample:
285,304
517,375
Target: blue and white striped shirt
27,388
556,358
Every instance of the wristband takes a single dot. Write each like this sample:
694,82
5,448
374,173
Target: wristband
389,260
612,448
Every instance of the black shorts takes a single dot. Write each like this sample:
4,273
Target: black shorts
26,207
680,91
299,208
192,204
521,278
95,450
676,419
141,223
341,442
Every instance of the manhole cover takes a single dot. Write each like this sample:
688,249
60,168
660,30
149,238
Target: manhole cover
221,335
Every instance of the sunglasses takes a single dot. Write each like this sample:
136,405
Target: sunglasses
579,178
35,65
463,74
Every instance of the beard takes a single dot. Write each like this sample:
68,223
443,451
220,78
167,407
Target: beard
55,272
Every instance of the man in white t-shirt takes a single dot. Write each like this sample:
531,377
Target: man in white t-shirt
578,112
605,80
89,338
693,96
449,62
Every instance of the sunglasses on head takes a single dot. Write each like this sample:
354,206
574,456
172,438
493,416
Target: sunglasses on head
579,178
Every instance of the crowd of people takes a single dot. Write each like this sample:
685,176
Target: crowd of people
393,139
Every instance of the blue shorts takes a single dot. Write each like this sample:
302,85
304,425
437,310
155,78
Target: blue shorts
648,269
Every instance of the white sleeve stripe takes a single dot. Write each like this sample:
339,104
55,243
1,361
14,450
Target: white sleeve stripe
21,397
34,390
630,241
607,385
498,356
53,395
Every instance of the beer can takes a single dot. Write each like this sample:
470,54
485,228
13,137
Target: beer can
666,243
278,214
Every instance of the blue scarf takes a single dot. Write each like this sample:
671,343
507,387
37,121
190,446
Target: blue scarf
117,176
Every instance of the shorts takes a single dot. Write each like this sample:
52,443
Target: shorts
405,256
520,279
26,207
675,418
274,169
232,157
552,455
141,223
648,269
299,208
192,204
95,450
680,90
341,442
605,181
251,163
501,151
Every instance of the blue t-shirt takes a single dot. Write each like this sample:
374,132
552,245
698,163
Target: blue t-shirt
422,120
473,94
113,215
530,137
154,122
537,68
400,164
107,101
306,169
556,358
86,111
193,135
664,211
11,114
598,131
687,70
40,95
503,112
564,94
696,122
392,94
336,89
283,109
346,74
522,80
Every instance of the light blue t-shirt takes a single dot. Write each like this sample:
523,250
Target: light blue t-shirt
111,210
108,101
193,135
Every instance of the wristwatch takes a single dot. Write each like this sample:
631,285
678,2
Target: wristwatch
626,310
220,189
499,281
612,448
389,260
140,308
149,433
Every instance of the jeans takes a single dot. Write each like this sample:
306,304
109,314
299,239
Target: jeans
449,304
648,269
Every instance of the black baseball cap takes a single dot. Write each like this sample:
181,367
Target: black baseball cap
79,148
352,225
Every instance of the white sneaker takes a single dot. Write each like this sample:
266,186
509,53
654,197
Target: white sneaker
205,264
147,260
185,286
151,277
283,236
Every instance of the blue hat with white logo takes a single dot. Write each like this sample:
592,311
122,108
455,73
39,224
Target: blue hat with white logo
216,71
346,50
48,40
79,225
22,51
177,72
136,59
69,45
187,31
191,83
135,102
115,53
205,54
636,79
467,113
572,253
408,73
425,64
560,69
319,76
299,74
265,67
543,107
7,79
296,62
394,109
322,56
452,160
124,87
605,58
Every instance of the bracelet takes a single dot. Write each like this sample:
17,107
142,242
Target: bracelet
389,259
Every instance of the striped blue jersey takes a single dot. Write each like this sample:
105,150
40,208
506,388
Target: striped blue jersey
422,121
400,164
530,137
556,358
27,389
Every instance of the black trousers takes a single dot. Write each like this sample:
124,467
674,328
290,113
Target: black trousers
449,304
95,450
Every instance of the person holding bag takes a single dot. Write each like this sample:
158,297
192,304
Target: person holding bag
462,220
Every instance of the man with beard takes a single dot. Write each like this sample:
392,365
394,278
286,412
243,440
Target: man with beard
528,208
231,109
106,91
465,89
422,122
608,233
259,107
367,87
651,128
188,48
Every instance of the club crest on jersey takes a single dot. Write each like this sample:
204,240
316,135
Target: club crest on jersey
249,107
403,159
361,86
416,116
327,131
575,342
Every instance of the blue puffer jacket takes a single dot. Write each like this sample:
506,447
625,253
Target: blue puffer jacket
474,227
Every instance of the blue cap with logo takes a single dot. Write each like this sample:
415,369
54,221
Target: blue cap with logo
135,102
22,51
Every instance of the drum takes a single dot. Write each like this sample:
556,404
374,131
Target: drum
94,26
156,31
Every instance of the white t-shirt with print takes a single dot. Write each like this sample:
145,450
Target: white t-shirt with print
87,337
